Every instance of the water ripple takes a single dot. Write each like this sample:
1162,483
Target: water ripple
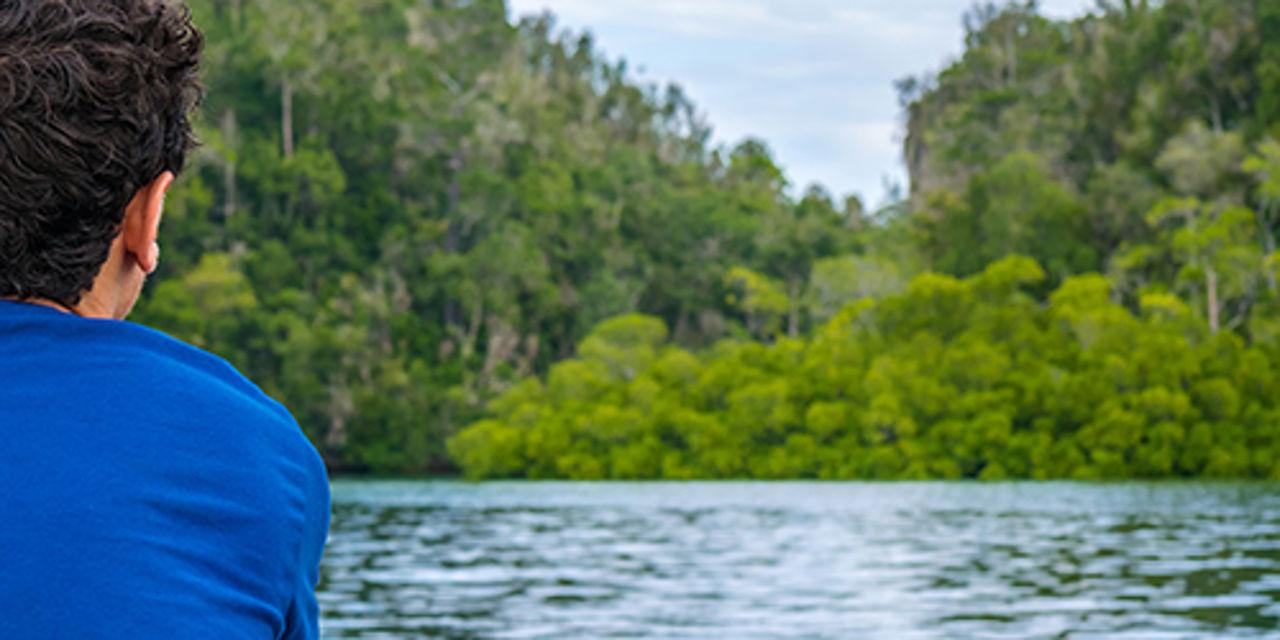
795,560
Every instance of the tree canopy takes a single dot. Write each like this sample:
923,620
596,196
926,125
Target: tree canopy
448,242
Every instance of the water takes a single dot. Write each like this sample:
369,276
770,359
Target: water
743,561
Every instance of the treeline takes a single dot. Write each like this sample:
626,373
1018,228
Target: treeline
951,378
409,216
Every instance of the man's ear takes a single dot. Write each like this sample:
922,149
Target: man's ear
142,222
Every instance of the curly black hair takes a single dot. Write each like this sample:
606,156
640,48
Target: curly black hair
95,101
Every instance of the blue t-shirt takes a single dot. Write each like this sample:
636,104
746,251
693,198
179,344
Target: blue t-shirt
148,490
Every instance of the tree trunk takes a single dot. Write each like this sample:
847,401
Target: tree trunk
793,314
473,332
1011,56
229,164
1215,113
1211,295
681,330
1268,246
453,230
286,114
453,238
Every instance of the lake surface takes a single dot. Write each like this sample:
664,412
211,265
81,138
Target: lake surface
741,561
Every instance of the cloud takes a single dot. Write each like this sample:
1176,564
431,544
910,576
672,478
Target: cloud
880,136
813,78
888,26
766,19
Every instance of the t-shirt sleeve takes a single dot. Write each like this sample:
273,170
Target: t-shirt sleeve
302,620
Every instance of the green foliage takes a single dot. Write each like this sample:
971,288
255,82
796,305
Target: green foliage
1015,207
760,298
207,306
964,378
412,217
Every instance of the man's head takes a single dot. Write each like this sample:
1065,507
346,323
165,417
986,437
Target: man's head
95,97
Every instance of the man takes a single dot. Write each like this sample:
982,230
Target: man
147,490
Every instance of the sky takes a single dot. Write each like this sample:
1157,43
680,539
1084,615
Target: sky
812,78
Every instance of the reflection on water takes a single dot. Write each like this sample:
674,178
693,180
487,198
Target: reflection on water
749,560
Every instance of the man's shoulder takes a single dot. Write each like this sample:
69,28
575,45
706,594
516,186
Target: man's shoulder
170,377
147,377
191,380
156,375
239,419
177,366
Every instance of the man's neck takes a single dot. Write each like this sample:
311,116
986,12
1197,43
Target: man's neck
88,307
56,306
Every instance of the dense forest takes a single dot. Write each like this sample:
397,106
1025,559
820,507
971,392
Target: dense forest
448,242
